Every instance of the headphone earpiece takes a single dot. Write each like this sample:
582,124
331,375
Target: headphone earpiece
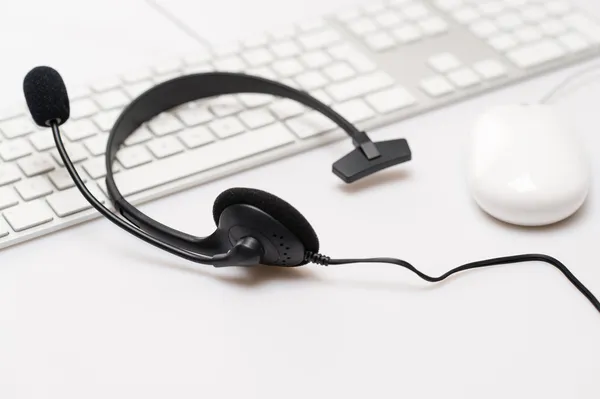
284,233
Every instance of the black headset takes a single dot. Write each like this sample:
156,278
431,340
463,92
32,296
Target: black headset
253,227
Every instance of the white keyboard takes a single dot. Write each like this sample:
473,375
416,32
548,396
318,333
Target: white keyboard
376,65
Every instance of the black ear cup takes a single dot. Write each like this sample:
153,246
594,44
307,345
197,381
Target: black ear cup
274,206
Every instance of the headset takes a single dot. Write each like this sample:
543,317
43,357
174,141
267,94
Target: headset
254,227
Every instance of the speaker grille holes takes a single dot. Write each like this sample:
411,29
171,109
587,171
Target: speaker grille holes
274,235
288,248
281,245
288,258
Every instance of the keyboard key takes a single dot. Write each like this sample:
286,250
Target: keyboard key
339,71
96,167
503,42
3,229
83,108
140,135
407,34
362,26
509,21
12,112
167,66
106,83
448,5
15,149
415,12
360,86
28,215
263,72
534,13
42,140
137,75
225,105
491,8
354,110
196,137
484,28
36,164
444,62
574,42
558,7
134,90
528,34
287,48
232,63
68,202
256,40
287,68
165,147
9,173
62,179
311,80
34,187
285,108
17,127
256,118
112,99
322,96
195,161
374,7
315,59
79,129
360,62
105,120
96,145
226,127
310,124
436,86
536,54
76,152
464,77
164,124
585,26
380,41
253,100
8,197
194,115
553,27
319,39
158,79
388,18
258,57
490,69
390,100
78,92
131,157
466,15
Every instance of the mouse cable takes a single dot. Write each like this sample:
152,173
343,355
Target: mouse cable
326,261
567,81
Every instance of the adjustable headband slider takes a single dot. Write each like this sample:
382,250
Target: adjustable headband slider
370,157
368,148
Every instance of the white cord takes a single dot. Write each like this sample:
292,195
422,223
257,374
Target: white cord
549,96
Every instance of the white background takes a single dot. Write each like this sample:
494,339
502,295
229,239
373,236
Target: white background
92,313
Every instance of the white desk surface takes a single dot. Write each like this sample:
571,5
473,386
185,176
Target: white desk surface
92,313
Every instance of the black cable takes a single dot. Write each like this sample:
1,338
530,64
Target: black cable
326,261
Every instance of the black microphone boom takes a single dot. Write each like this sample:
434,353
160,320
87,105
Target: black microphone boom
46,96
48,102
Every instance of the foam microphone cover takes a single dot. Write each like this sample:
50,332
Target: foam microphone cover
46,96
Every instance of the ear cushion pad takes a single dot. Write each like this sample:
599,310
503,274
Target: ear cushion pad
275,207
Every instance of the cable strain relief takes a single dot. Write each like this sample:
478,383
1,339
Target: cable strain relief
318,259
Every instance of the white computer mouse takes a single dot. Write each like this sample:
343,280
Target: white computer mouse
527,165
